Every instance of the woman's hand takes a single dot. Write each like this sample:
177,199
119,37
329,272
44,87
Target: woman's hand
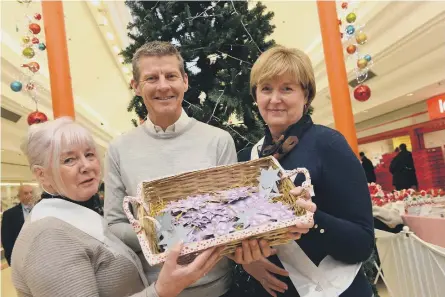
263,271
174,278
252,250
304,201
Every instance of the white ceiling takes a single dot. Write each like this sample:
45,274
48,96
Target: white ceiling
406,41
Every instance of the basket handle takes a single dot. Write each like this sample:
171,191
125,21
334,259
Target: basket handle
134,222
126,205
307,184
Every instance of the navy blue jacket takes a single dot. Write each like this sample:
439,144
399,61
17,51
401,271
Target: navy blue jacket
12,222
343,220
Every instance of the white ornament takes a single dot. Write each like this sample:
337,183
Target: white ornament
202,97
213,58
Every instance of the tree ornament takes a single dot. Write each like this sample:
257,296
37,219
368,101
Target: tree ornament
24,1
37,117
339,22
33,66
38,16
28,52
362,93
367,58
344,5
362,63
42,46
16,86
351,49
341,35
35,40
361,38
351,17
26,39
350,29
34,28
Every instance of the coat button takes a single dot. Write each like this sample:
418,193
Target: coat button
315,226
321,231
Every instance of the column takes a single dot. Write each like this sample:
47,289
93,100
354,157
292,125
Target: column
58,62
336,70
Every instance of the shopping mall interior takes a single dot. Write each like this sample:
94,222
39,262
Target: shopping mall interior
405,73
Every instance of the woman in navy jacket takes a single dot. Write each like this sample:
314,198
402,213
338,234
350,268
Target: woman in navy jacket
283,85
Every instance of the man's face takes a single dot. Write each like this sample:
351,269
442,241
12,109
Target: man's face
26,194
162,86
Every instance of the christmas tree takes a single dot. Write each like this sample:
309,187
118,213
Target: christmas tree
219,42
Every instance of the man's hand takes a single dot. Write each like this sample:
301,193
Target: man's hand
174,278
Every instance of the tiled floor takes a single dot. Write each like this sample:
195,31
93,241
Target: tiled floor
383,292
7,287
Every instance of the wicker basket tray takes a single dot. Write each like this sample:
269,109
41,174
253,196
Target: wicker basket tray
153,195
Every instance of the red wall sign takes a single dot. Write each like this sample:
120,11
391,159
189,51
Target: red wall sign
436,107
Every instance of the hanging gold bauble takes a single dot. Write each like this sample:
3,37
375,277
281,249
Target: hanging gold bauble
28,52
362,63
361,38
351,17
26,39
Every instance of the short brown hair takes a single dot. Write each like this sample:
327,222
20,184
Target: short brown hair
155,49
280,60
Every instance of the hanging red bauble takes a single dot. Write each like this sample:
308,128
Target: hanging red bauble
33,66
35,28
351,49
344,5
38,16
35,40
339,22
341,35
30,86
36,117
362,93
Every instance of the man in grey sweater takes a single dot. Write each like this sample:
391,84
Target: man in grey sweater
167,143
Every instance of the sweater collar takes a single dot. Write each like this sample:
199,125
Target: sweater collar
179,125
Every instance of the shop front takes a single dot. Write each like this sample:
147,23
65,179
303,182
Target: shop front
424,136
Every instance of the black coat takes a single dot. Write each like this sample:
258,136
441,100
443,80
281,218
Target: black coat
403,171
12,222
369,170
344,218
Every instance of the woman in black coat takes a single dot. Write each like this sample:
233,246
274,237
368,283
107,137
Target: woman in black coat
283,85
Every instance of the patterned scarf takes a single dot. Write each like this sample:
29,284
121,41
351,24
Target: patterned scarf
287,141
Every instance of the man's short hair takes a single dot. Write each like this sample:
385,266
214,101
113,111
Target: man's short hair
155,49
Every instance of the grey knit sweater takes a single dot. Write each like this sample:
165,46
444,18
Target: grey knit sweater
52,258
143,154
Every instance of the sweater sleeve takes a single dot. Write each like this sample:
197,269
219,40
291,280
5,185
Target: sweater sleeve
114,196
57,266
348,229
226,150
